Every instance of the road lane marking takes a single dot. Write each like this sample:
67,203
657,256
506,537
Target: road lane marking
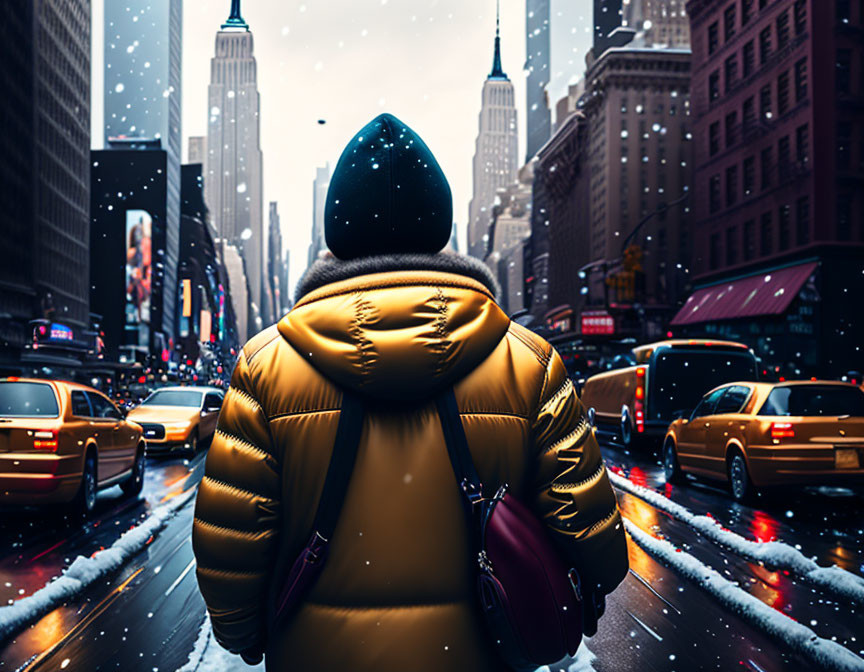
644,626
180,578
645,583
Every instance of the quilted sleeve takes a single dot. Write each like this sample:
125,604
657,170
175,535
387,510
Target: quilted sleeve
572,491
234,535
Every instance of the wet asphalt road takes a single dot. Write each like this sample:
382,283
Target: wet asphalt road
147,616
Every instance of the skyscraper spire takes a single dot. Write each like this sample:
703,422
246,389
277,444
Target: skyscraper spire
235,20
497,71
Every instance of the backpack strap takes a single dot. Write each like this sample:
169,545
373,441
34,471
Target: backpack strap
348,434
457,446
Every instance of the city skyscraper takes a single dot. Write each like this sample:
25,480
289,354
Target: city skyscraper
143,64
319,200
197,149
495,153
275,266
537,63
45,176
234,165
658,22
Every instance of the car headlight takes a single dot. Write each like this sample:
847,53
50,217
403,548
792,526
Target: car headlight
176,428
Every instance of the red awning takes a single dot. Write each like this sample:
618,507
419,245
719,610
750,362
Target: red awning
764,294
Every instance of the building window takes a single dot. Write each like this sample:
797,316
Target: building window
784,224
731,185
714,85
784,156
729,23
732,246
765,102
765,45
749,64
749,175
800,16
731,128
767,167
762,4
731,68
844,217
714,193
844,145
749,240
844,11
801,80
715,251
844,69
714,138
802,220
782,30
802,141
713,38
766,235
782,93
746,11
749,112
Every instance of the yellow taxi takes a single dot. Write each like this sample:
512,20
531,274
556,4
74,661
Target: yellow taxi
753,435
61,442
178,418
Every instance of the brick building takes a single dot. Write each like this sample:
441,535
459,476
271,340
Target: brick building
777,92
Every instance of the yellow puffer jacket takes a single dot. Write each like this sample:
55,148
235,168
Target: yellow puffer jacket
397,591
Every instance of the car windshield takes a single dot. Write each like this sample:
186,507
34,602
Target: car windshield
27,400
814,400
680,378
174,398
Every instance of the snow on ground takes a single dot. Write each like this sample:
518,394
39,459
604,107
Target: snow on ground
772,554
583,661
208,656
84,571
826,654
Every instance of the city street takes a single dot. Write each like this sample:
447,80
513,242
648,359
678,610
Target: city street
149,615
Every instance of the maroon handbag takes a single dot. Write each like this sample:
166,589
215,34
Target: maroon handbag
530,598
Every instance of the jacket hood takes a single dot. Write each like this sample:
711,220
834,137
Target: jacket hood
387,195
396,333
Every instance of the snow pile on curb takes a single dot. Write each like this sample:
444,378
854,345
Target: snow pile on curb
208,656
84,571
772,554
826,654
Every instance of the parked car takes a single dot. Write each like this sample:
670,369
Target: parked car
661,381
61,442
753,435
178,418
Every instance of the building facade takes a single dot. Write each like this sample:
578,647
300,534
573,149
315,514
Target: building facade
197,149
495,152
777,96
131,286
234,162
319,200
142,79
44,190
659,23
275,264
538,48
607,18
235,266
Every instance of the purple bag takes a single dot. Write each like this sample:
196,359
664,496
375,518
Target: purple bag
530,598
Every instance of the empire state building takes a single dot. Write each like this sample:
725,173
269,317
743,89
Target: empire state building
495,154
234,163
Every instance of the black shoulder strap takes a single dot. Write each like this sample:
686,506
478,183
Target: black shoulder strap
457,445
348,433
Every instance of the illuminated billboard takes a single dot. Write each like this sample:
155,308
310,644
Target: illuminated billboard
139,266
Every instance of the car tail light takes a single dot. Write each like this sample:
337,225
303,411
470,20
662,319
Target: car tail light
639,405
782,430
45,440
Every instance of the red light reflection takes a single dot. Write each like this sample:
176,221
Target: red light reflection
764,527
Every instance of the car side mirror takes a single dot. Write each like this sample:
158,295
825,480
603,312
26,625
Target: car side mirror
212,409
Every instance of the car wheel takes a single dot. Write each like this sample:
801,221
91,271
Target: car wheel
193,444
85,500
626,428
671,467
739,478
135,483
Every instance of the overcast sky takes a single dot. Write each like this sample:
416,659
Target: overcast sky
347,61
